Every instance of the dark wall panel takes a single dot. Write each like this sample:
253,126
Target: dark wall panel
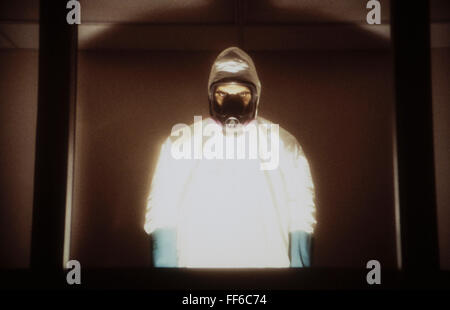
18,108
440,59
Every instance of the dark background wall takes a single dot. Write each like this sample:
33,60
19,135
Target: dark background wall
18,111
338,104
440,60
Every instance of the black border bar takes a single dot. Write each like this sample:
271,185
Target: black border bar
410,27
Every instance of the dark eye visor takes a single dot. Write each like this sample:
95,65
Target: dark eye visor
215,86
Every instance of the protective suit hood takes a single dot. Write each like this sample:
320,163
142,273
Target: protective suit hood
233,64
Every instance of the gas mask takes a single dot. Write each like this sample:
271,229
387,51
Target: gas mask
232,103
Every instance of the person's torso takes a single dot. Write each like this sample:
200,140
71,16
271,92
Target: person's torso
232,214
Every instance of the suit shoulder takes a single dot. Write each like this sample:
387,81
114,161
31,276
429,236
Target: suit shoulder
287,139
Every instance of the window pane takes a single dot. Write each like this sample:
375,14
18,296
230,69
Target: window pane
19,33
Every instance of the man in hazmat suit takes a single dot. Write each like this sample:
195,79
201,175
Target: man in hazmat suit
208,207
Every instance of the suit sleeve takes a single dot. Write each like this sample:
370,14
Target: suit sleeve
300,191
301,197
161,212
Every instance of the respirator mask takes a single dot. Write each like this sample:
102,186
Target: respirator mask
232,103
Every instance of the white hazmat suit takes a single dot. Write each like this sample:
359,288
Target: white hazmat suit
231,212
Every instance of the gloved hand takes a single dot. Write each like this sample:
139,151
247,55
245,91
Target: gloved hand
164,248
300,248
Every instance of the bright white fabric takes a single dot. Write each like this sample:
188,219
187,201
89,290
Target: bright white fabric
228,212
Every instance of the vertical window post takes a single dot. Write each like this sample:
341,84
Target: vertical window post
410,30
54,134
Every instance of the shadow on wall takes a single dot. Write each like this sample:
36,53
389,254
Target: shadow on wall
337,103
310,28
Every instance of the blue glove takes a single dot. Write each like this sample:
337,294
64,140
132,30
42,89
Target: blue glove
300,249
165,247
